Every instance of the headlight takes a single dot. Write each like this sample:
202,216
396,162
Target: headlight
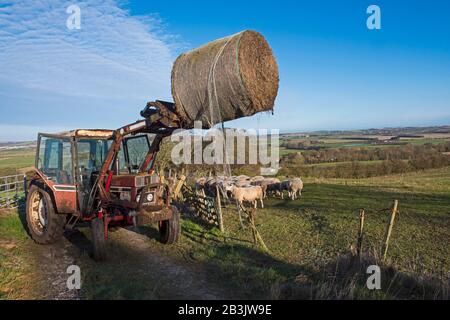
150,197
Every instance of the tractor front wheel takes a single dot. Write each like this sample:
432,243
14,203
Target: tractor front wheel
169,230
98,239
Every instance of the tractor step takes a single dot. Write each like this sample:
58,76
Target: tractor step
72,222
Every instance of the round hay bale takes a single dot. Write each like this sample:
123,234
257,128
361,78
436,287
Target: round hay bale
230,78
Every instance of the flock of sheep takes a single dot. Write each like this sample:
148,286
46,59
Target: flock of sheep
248,189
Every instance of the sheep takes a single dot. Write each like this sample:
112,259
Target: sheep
243,177
270,184
210,186
249,194
272,180
200,186
273,187
224,189
207,185
257,178
284,185
262,184
242,183
296,186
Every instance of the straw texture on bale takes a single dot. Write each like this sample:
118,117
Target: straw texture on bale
226,79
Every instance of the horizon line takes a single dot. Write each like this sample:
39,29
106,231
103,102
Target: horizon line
298,131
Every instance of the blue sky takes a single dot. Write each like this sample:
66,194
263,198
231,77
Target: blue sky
334,72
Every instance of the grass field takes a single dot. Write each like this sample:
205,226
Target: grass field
309,242
14,269
306,238
307,235
13,160
333,141
433,181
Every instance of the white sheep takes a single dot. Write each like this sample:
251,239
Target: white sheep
249,194
200,186
295,187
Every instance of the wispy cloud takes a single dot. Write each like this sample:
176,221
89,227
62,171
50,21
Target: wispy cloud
115,59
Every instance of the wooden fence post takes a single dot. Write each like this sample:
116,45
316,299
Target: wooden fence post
25,186
8,189
179,184
256,236
219,210
389,229
360,232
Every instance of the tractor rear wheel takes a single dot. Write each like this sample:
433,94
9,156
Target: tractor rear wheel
169,230
45,225
98,239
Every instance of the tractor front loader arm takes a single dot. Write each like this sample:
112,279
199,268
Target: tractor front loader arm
159,118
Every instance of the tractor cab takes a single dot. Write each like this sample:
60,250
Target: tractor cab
103,177
71,161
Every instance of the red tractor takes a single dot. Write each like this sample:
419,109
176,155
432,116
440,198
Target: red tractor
104,177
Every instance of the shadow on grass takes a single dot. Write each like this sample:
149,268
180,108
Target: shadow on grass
347,276
243,270
253,274
21,211
151,231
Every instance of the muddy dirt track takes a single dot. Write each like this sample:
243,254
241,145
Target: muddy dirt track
138,267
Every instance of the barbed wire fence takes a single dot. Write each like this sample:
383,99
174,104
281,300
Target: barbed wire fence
397,219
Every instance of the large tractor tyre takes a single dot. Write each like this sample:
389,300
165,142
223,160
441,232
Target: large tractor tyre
45,225
98,239
169,230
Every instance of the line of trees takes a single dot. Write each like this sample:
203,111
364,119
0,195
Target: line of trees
394,160
388,160
406,152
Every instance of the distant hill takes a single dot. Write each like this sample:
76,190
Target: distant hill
17,145
395,131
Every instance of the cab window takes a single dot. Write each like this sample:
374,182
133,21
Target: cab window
55,159
136,150
123,166
91,154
